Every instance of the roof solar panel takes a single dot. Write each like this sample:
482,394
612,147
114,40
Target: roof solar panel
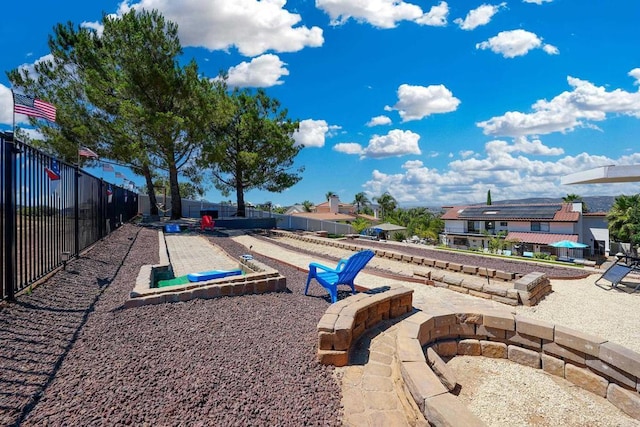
506,212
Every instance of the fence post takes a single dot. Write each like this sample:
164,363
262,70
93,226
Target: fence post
9,220
76,209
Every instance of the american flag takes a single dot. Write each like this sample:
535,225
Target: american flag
85,152
119,175
54,171
107,167
23,104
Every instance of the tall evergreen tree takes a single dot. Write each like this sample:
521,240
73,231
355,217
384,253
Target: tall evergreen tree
488,197
123,94
254,149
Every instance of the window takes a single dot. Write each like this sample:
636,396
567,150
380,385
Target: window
489,225
460,241
472,226
539,226
503,223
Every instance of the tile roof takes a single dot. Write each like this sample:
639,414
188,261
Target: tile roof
325,216
540,238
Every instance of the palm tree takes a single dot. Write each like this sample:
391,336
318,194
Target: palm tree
307,205
387,203
623,218
360,200
329,195
572,198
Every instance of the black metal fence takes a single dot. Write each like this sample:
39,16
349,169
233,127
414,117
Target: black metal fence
50,212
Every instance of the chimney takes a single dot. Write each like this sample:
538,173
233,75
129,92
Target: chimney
334,202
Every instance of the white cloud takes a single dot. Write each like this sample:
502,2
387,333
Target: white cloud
436,17
379,13
635,73
550,49
6,105
349,148
577,108
479,16
513,43
253,27
396,143
466,153
333,131
311,133
378,121
412,164
96,26
263,71
508,176
522,145
417,102
538,2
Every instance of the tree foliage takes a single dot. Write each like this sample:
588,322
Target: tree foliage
419,221
387,204
307,206
254,148
360,200
123,94
573,198
624,219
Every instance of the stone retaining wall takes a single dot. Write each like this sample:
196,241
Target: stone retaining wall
526,290
592,363
346,320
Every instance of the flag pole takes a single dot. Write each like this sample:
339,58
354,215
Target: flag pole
13,128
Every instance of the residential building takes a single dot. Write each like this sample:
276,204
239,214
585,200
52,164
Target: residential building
527,227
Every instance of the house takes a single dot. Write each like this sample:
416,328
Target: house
527,227
334,210
334,205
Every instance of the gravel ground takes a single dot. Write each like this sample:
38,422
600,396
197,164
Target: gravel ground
71,355
505,394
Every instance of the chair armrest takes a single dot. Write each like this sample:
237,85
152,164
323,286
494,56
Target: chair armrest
340,265
315,265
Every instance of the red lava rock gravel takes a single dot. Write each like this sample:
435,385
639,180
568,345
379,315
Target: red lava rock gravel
71,355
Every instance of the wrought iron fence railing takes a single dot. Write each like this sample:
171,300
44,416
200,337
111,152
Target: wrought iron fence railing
49,212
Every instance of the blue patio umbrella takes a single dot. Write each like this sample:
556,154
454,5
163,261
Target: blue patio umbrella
568,244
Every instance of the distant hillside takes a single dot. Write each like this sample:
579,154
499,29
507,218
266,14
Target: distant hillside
594,203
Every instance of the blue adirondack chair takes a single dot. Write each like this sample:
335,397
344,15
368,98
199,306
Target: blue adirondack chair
344,273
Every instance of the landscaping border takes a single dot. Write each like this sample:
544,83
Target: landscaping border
602,367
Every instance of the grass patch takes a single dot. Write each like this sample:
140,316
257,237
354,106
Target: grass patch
180,280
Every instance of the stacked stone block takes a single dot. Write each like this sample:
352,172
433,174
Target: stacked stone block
346,320
530,289
604,368
258,279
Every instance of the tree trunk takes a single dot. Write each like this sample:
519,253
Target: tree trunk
176,200
151,191
240,199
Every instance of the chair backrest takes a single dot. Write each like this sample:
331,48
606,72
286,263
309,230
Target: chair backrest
207,220
354,264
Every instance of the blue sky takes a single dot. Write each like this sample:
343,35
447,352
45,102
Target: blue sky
434,102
